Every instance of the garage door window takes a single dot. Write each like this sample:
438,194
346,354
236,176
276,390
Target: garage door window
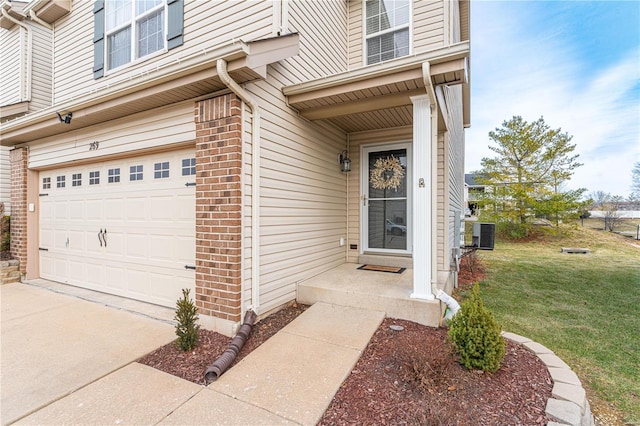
76,179
114,175
188,166
94,178
61,181
161,170
135,173
46,183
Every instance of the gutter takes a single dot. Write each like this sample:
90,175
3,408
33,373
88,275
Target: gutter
25,93
221,67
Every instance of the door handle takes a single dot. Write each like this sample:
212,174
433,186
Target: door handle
364,200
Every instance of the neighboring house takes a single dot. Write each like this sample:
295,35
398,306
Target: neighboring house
474,192
195,144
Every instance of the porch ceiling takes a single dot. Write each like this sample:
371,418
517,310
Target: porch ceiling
378,96
175,83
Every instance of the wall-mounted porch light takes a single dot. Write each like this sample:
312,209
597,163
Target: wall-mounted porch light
344,161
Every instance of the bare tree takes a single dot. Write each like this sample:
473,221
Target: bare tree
610,205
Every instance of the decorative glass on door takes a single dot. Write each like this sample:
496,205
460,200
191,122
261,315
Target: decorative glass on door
387,200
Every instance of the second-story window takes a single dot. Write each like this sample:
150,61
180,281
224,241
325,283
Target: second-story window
387,29
134,29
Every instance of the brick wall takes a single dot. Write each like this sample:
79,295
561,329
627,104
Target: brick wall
18,158
218,207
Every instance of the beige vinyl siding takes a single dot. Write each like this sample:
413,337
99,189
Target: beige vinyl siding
442,203
73,52
11,65
356,35
428,25
5,179
41,86
303,197
150,130
322,26
455,148
207,25
356,141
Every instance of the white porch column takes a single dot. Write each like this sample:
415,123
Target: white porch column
422,196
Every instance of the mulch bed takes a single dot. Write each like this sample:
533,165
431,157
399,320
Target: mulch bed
409,377
192,365
412,377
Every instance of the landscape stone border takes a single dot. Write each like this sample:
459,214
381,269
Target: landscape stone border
568,404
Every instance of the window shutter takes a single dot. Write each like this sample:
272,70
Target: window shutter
175,27
98,39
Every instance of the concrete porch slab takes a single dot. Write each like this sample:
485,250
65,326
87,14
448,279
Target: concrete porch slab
348,286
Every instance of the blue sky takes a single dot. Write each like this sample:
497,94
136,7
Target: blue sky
575,63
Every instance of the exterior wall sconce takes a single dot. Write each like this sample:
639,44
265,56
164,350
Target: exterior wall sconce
66,119
344,161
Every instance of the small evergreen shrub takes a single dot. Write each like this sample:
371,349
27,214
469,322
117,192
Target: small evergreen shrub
476,335
5,231
187,318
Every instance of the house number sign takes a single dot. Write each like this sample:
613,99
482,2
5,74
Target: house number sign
94,145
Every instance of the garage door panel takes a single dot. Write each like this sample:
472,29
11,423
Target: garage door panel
94,209
46,237
161,247
162,208
95,275
76,271
138,281
115,243
136,209
76,243
136,246
60,269
61,211
150,228
113,209
115,278
76,210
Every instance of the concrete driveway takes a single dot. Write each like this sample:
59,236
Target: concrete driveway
54,344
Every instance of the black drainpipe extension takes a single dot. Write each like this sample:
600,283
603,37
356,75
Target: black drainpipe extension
225,360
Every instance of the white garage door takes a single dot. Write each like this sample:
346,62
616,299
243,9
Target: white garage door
124,227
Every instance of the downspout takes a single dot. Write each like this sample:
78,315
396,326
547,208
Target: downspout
426,78
225,360
27,92
221,67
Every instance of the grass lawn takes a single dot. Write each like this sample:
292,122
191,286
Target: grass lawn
584,307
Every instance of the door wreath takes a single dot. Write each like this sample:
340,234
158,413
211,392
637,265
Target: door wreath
387,173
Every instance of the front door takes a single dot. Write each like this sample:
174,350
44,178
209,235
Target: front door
386,204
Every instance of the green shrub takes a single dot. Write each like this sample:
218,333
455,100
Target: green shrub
476,335
187,318
5,231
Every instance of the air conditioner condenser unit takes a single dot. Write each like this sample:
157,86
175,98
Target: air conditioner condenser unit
483,235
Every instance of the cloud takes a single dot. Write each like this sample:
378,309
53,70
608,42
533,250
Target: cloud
538,73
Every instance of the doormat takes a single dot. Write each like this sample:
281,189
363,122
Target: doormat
378,268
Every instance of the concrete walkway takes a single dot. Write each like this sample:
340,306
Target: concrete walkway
70,361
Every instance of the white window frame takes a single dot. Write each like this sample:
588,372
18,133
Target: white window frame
366,36
132,24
